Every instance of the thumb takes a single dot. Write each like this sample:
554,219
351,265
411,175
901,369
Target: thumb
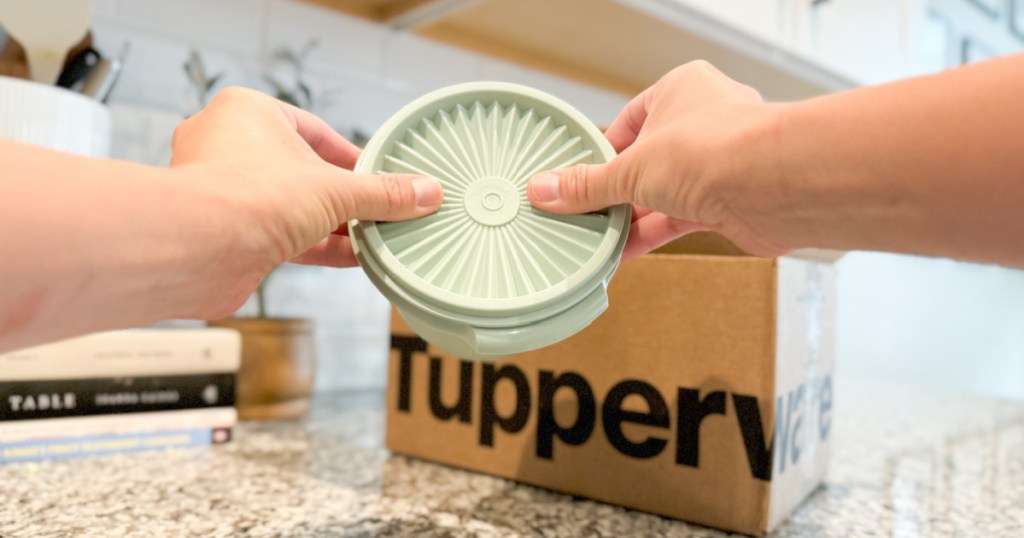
386,197
579,189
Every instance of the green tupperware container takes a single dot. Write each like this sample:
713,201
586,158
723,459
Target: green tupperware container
488,275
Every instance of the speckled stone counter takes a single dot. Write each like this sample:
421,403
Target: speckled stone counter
906,462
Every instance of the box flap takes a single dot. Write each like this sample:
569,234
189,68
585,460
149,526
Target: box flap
708,243
817,254
711,243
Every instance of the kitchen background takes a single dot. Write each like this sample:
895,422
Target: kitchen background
939,321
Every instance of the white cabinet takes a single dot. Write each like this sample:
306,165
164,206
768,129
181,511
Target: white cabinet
865,40
759,18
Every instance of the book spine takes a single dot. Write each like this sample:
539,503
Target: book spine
47,399
58,428
103,444
136,352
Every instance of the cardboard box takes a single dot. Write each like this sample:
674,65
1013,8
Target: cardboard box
704,393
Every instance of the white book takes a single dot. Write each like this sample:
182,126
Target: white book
104,445
131,352
115,434
78,427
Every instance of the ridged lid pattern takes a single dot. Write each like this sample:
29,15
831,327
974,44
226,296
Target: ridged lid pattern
487,257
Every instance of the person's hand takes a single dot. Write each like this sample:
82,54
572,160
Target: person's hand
284,179
677,163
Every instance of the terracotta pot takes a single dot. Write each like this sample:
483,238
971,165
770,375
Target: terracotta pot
278,367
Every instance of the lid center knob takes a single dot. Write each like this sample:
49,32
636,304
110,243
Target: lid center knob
492,201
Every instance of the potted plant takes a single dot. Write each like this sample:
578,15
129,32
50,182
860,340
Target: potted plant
278,366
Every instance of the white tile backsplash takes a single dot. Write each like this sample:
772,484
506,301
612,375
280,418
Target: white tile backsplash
142,134
352,355
351,321
104,9
152,74
346,46
360,106
418,65
234,25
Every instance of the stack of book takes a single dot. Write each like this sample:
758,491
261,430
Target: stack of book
119,391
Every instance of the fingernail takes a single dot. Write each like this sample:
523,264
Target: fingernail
428,191
545,187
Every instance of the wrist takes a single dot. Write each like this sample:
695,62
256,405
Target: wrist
219,259
757,189
161,261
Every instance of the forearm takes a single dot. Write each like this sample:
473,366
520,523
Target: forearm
931,166
90,244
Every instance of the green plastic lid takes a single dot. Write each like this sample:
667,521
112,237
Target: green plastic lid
488,275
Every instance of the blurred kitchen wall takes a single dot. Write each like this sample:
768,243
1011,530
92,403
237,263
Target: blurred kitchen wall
942,322
955,325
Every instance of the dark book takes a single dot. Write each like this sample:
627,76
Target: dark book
57,398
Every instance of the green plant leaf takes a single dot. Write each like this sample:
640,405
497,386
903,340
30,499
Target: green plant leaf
307,93
287,97
213,81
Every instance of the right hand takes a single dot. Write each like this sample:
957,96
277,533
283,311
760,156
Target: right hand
682,146
287,179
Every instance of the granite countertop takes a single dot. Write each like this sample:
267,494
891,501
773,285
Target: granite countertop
906,462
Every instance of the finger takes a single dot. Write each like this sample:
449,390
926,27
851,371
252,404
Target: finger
581,188
332,251
653,231
322,139
385,197
639,213
630,121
